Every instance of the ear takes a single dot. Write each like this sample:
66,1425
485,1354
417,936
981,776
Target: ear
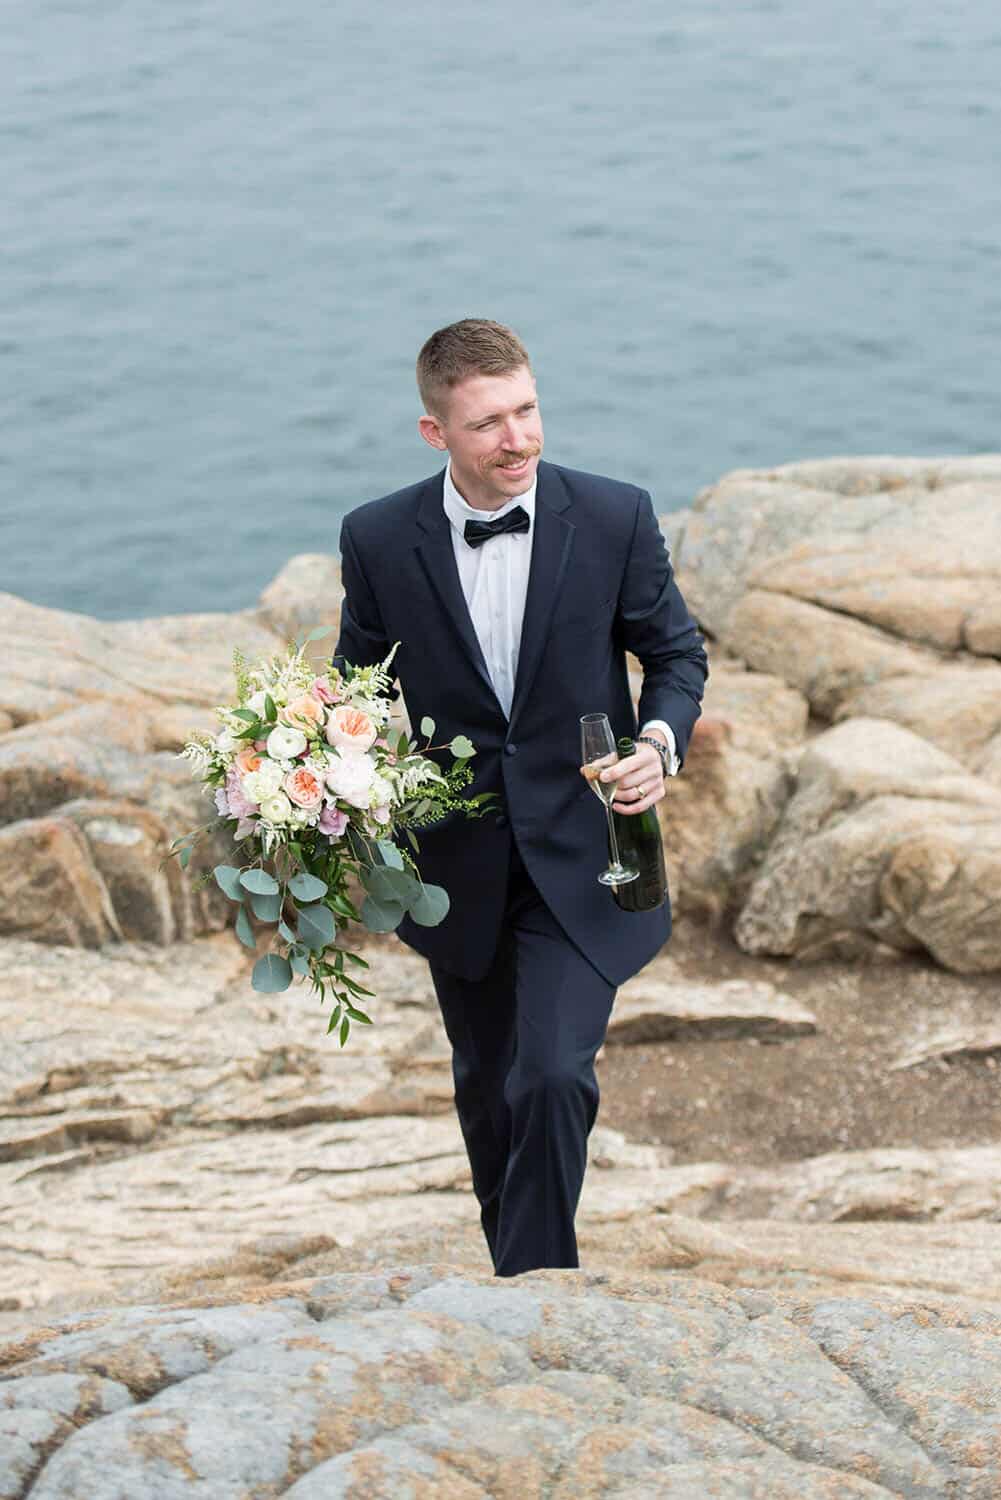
431,431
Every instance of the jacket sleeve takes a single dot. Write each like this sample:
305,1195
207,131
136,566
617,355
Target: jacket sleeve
653,622
362,638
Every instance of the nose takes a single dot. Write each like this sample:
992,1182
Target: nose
513,434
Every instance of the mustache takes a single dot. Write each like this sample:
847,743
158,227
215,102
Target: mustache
518,456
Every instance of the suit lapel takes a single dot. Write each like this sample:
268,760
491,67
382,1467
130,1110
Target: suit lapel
437,555
552,543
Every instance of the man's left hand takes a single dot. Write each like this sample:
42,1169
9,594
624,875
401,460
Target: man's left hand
641,780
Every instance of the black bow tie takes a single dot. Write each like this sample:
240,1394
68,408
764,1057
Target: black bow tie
478,532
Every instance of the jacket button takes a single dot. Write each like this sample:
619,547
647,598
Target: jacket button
510,749
502,820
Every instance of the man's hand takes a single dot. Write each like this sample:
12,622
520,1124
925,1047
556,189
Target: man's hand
640,777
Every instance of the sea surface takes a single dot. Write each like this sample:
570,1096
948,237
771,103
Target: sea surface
730,234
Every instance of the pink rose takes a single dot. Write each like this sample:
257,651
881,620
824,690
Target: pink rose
240,805
332,822
322,691
381,814
304,788
350,729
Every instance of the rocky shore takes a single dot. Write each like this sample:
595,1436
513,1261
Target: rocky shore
789,1228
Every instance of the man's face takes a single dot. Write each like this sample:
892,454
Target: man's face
493,432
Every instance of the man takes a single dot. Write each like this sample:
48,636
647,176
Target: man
515,588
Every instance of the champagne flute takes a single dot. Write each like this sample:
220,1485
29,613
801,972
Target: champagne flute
598,751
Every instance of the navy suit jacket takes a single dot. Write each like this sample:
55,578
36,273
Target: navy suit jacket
600,585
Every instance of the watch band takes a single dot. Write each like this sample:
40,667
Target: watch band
662,750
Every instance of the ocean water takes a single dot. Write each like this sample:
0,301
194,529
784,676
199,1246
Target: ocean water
729,233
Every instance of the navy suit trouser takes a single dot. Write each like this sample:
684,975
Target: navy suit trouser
524,1039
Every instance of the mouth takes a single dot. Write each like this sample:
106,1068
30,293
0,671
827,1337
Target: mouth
517,468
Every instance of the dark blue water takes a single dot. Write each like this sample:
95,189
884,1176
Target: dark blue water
730,234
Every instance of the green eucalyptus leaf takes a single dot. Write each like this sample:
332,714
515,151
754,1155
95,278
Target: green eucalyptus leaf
227,878
260,882
244,931
427,727
299,963
285,931
381,916
462,748
185,856
431,906
306,887
390,854
266,908
386,884
316,926
318,632
271,974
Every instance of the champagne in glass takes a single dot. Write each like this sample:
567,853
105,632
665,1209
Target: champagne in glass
598,751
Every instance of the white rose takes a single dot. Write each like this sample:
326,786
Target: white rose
276,809
381,791
227,742
264,782
350,777
256,701
284,742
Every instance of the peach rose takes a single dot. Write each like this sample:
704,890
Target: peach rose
304,788
350,729
248,760
305,713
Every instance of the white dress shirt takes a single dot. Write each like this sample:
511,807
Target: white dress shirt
494,579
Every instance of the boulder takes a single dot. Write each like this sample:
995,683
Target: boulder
648,1009
52,889
304,595
887,841
870,585
419,1379
720,813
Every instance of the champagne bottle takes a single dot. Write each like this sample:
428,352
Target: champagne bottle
641,847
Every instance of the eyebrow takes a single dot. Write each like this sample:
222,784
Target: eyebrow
491,416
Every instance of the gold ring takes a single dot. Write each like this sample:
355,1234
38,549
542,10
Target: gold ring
642,792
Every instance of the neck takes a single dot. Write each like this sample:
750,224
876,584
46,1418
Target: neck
476,498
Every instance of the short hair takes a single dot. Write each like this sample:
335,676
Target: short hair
473,346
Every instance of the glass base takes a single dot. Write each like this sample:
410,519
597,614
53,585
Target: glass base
617,877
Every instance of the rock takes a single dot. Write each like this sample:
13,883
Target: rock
650,1011
422,1380
886,841
719,815
870,585
951,1041
888,1184
52,889
128,845
304,595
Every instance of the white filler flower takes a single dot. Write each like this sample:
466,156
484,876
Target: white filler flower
284,742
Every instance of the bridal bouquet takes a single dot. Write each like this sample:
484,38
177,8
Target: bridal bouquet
314,785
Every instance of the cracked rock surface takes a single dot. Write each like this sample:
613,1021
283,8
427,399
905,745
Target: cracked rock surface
425,1382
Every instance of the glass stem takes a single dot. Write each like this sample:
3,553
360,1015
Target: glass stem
616,864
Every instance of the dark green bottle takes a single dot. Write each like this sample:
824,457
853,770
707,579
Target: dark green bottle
641,847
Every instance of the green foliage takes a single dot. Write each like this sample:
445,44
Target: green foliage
427,728
431,907
266,908
306,887
227,878
244,931
260,882
271,974
316,927
241,673
462,748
